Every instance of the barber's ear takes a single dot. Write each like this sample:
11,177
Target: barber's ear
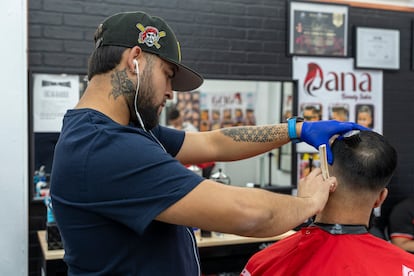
381,197
133,57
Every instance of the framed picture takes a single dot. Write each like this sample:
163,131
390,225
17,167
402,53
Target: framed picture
377,48
318,29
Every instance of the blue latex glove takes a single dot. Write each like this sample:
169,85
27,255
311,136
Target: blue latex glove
318,133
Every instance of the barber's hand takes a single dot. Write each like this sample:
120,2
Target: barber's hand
318,133
315,188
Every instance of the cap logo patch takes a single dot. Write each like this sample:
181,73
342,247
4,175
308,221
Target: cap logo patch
150,35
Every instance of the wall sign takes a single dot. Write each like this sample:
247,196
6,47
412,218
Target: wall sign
52,96
330,88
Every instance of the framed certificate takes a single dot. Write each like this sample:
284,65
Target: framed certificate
377,48
318,29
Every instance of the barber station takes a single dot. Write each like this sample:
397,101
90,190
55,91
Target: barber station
208,139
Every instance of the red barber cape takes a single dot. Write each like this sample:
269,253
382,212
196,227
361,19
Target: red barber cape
313,251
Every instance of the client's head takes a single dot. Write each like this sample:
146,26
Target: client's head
363,165
363,161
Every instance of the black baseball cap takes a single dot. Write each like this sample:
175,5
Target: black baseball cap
153,35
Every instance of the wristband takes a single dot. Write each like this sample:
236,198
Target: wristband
292,129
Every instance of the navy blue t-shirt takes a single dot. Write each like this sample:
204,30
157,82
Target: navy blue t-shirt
108,184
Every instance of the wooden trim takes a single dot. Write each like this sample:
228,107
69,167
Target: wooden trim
225,239
229,239
371,5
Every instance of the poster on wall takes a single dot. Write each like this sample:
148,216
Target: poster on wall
217,109
331,89
226,108
53,94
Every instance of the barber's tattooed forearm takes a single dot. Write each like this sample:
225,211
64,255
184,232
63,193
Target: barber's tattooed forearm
121,85
263,134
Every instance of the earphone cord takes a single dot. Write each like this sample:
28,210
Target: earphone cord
136,109
135,101
158,141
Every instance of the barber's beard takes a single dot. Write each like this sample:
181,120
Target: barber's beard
146,108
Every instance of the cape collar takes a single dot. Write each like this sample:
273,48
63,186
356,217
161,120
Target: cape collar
338,229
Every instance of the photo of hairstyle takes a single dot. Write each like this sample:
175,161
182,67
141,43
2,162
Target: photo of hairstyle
365,115
339,112
311,111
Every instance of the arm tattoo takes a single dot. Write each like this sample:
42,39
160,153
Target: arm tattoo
262,134
121,84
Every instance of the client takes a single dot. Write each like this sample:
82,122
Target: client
338,242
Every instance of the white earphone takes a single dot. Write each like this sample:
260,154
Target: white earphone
136,66
136,71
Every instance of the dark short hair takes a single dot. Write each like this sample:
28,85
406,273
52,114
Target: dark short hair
340,109
173,114
104,59
311,107
367,163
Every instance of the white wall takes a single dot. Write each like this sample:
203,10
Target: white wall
13,139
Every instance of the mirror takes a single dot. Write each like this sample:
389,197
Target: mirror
222,103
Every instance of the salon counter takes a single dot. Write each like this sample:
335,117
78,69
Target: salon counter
224,253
